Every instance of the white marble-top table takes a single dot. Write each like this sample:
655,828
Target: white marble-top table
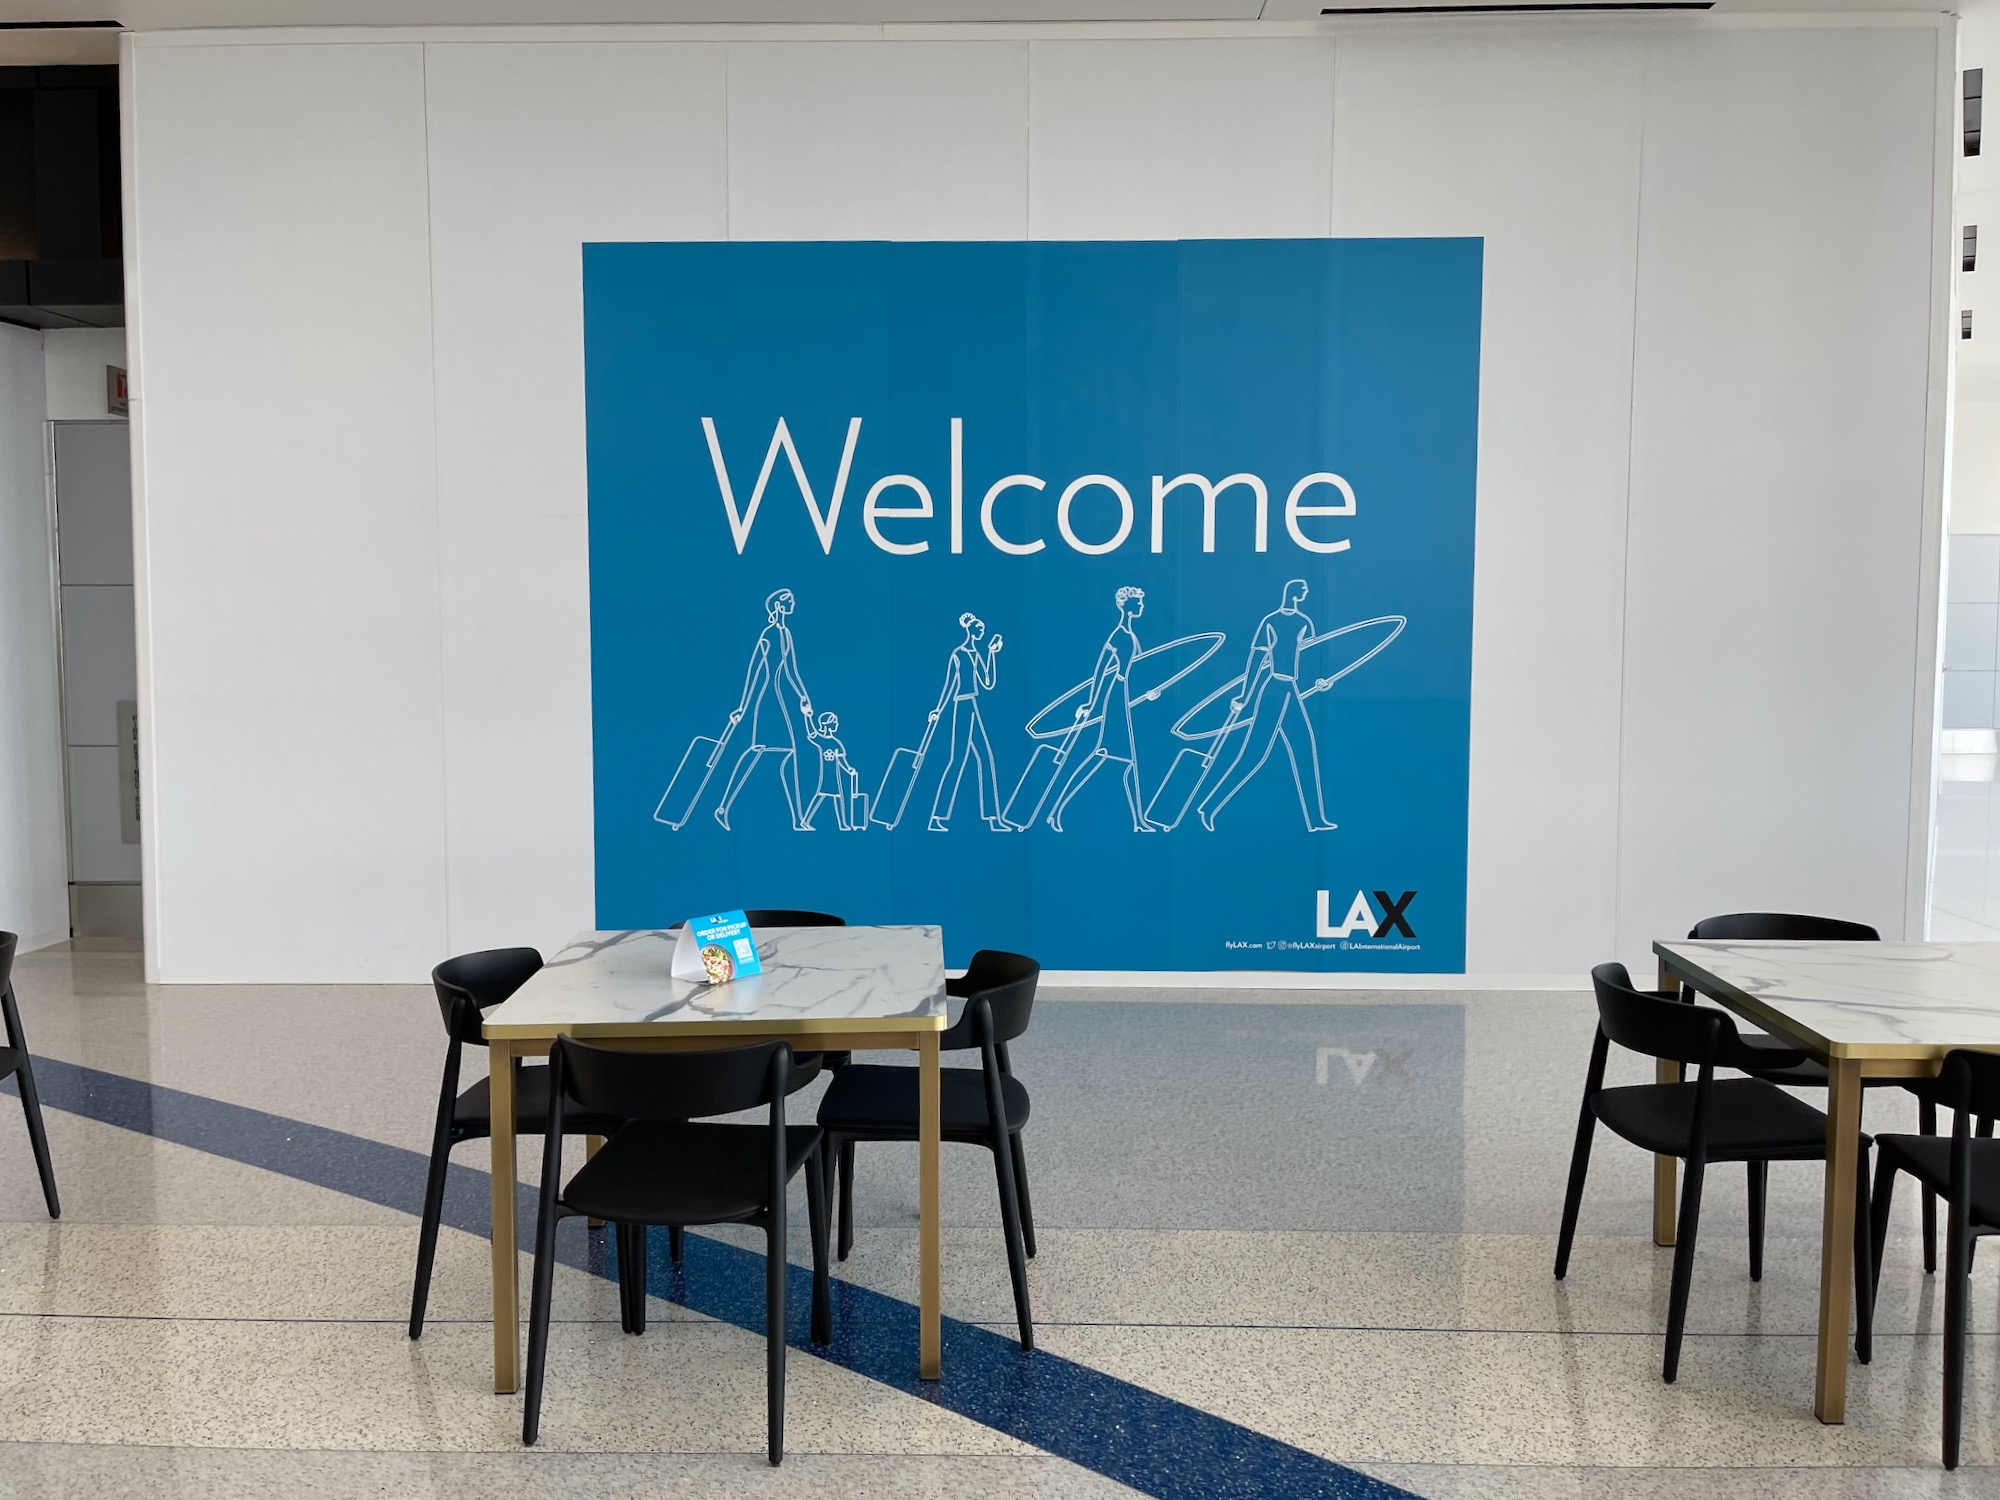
1866,1010
1888,1000
837,989
814,979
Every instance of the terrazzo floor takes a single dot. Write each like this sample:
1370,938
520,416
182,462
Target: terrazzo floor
1327,1218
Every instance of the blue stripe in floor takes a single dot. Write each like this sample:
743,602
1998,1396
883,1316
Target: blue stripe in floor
1138,1437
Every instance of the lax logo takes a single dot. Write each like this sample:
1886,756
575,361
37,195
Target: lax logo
1363,919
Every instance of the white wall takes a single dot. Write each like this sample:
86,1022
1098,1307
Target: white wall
290,688
34,866
1707,380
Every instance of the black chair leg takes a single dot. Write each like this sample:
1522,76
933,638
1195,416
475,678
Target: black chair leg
846,1200
1760,1181
1677,1299
1880,1201
774,1332
822,1303
1864,1265
38,1140
1010,1224
538,1325
1927,1125
1579,1168
621,1235
1957,1266
1021,1193
638,1233
676,1243
427,1231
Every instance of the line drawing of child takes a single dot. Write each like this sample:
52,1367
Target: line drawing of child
839,782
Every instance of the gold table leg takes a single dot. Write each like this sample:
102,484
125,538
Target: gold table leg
930,1232
1836,1247
506,1265
1665,1168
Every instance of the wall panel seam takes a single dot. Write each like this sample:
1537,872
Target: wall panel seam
446,862
1647,61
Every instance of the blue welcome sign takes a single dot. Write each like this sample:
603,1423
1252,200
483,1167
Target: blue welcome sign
1109,602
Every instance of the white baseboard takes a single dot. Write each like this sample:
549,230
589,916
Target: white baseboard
1254,979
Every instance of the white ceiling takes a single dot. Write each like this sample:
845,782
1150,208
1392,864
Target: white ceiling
174,14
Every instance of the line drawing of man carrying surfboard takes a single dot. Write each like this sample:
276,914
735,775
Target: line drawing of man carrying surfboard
968,673
1277,712
1110,706
774,729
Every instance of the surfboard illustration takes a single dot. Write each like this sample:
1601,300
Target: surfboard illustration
1211,718
1154,670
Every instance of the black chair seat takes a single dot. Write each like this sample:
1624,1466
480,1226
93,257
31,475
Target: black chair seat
1748,1119
1928,1159
719,1173
881,1103
472,1115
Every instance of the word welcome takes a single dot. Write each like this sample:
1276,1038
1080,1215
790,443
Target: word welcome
915,503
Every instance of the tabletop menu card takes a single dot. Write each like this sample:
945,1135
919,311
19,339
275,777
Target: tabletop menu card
717,949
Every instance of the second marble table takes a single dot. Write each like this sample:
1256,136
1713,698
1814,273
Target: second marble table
1867,1010
838,989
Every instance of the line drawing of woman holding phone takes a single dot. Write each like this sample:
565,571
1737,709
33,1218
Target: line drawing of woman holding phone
968,673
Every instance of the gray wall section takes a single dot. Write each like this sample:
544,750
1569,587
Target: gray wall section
100,658
33,870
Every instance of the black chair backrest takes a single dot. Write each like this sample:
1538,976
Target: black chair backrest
672,1085
8,1017
474,982
1780,927
1006,982
1969,1082
781,916
1659,1027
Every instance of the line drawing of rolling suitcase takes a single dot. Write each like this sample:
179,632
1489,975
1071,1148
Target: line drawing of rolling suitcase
900,778
1185,776
691,779
1037,777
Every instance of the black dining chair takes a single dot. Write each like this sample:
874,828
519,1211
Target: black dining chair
15,1062
1709,1120
983,1106
1809,1072
784,916
1965,1171
805,1065
668,1164
466,987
